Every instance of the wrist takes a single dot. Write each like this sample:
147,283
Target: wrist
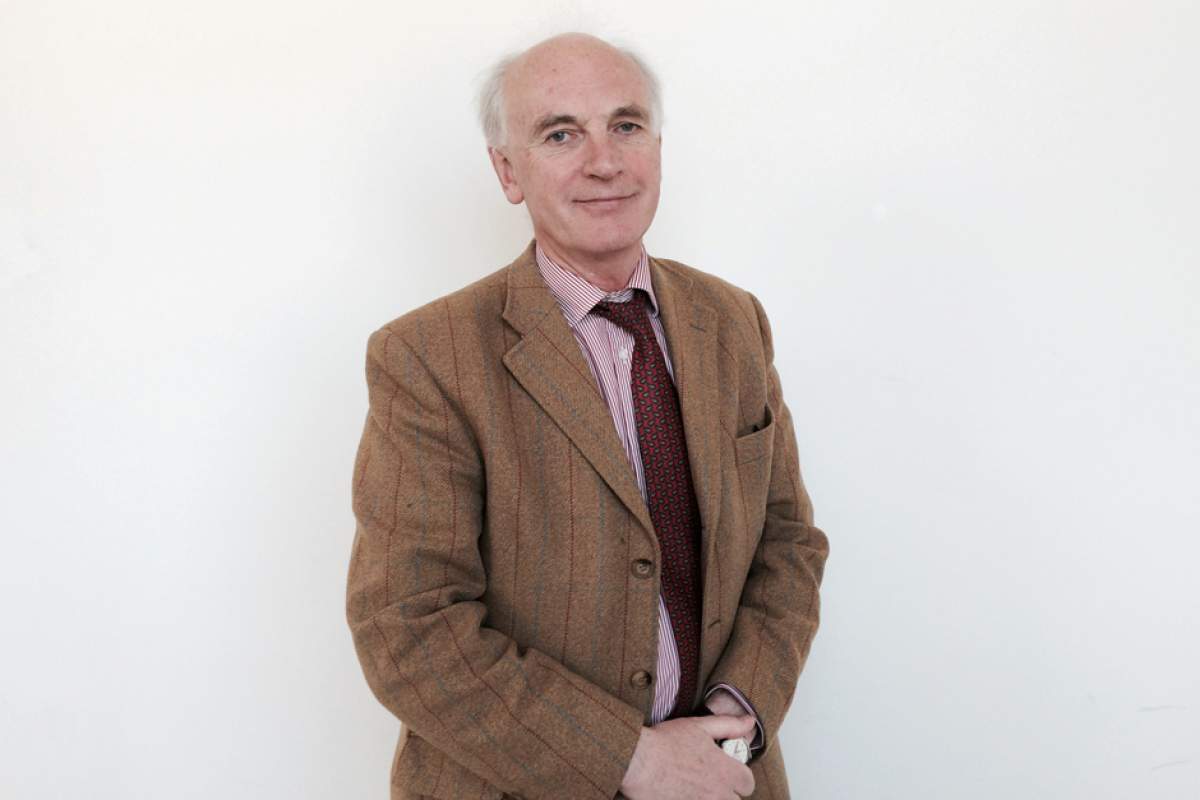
634,769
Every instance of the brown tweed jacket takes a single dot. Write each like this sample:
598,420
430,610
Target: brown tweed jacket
503,583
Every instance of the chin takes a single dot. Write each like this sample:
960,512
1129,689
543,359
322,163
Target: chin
610,245
615,239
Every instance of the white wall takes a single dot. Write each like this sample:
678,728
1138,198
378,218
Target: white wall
974,226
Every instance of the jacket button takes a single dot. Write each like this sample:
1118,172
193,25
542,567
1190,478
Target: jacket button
643,568
640,679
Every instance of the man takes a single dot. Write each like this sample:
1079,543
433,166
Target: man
581,522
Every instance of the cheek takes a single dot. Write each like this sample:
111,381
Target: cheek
652,178
556,190
650,169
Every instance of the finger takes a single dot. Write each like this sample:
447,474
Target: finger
745,784
725,726
747,728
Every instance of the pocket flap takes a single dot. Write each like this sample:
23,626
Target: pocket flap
756,444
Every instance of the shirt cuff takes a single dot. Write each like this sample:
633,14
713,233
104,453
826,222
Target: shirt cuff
760,735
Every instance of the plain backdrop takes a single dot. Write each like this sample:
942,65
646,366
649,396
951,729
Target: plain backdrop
974,227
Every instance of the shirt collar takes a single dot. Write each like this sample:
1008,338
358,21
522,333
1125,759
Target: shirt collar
576,297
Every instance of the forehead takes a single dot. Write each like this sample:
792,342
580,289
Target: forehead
580,83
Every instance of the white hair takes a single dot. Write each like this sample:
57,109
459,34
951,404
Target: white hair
490,99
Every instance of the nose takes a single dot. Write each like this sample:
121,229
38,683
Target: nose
601,157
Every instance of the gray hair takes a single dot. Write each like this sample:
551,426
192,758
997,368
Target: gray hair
490,98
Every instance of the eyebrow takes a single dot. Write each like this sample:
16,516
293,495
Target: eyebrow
632,111
551,120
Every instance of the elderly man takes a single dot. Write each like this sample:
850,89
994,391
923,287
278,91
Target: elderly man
585,564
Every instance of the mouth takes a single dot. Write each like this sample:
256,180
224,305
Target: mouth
604,203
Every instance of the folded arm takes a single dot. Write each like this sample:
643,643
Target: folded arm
514,716
779,609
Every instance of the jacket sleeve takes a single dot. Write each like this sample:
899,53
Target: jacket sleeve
779,608
512,715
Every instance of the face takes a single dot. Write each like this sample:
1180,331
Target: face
580,152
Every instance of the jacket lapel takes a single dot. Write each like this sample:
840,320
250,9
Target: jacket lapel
691,329
549,365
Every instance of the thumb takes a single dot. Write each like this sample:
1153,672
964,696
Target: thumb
727,726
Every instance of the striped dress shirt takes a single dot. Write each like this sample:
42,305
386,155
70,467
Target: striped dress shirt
608,350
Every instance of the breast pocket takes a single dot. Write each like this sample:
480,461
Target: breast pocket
757,443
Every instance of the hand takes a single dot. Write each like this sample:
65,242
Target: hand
679,760
722,702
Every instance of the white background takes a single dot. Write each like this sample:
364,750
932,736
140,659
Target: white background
974,227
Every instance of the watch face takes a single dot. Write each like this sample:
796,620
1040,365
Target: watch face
737,748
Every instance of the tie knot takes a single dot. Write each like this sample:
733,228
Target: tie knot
633,315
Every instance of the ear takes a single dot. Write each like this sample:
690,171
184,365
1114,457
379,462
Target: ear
507,175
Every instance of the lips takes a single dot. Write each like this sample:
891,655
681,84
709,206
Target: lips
603,202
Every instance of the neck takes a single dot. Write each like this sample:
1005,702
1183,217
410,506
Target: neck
607,271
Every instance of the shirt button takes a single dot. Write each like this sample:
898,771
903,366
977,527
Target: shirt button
640,679
643,568
624,354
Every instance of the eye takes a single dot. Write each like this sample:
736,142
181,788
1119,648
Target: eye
558,137
628,127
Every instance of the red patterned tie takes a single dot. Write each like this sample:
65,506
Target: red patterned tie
669,492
